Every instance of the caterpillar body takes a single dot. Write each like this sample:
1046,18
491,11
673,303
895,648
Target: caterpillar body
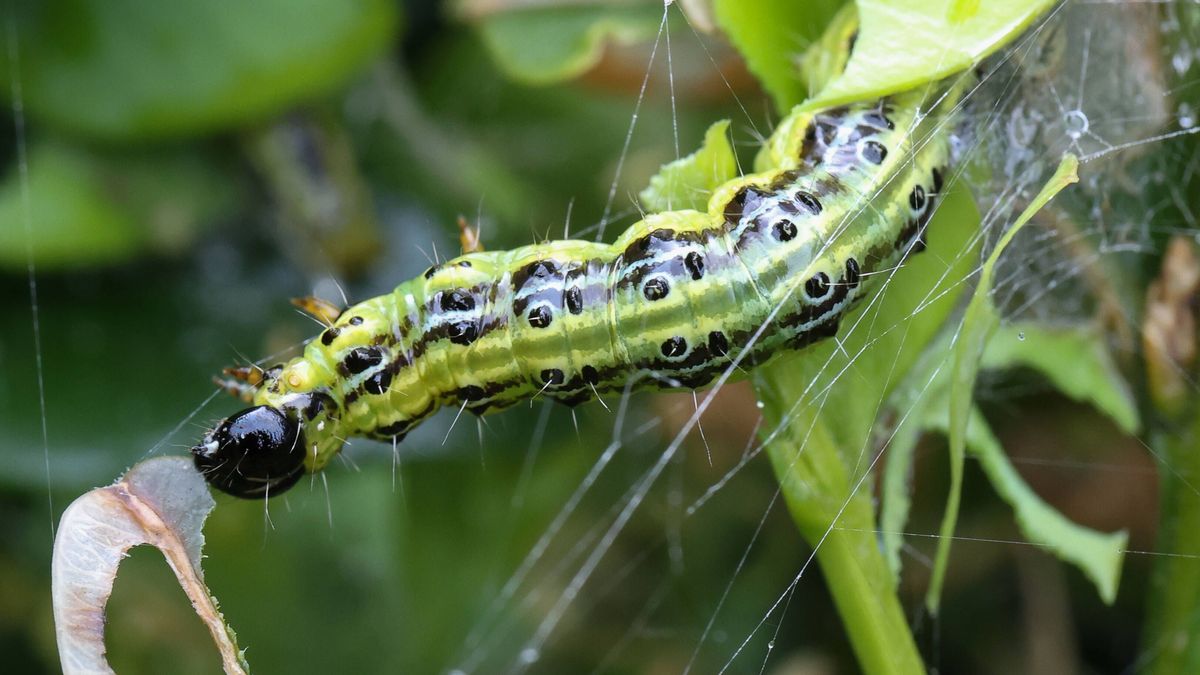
772,265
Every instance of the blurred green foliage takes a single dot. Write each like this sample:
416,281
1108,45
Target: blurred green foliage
126,71
550,43
165,250
93,207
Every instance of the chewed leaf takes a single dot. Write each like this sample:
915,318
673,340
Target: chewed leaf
903,44
543,45
895,496
162,502
687,182
1097,554
1073,359
771,36
979,321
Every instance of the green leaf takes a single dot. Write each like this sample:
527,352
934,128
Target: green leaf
895,499
89,208
543,45
825,60
771,34
1074,359
977,326
687,182
125,69
1097,554
903,44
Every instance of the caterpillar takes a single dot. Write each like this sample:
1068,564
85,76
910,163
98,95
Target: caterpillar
775,261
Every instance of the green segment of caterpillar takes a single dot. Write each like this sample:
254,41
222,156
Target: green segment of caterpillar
680,297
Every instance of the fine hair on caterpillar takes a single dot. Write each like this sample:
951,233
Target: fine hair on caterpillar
771,266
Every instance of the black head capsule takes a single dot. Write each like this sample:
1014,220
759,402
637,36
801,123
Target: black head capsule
257,453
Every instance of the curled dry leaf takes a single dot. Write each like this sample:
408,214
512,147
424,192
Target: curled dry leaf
1169,330
162,502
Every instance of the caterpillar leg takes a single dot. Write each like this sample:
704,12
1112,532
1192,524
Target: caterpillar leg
241,382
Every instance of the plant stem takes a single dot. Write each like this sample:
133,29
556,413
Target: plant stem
837,519
1169,341
872,615
1173,607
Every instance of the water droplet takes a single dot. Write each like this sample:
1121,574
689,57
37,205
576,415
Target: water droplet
1181,61
1077,123
760,405
529,655
1021,336
1187,116
771,644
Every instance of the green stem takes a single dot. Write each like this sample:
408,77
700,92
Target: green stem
837,519
872,615
1173,607
1169,339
